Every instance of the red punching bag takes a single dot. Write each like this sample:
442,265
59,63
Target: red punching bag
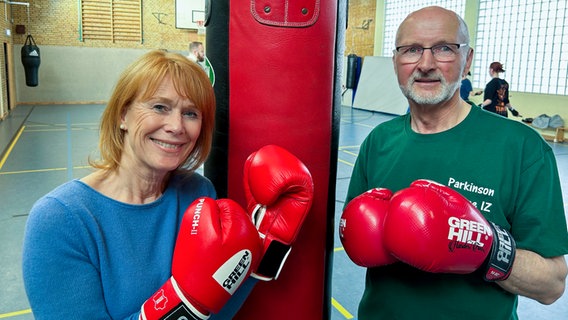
277,66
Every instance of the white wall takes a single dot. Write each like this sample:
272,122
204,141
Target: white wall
378,87
73,74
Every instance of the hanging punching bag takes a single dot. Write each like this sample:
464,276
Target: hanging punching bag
31,61
352,77
277,67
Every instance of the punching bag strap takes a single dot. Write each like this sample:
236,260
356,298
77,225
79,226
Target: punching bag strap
29,41
283,13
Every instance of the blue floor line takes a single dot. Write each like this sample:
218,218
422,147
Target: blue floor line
69,149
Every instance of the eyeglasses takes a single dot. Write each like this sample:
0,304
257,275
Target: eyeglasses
446,52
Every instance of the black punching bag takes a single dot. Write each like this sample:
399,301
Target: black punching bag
31,61
352,71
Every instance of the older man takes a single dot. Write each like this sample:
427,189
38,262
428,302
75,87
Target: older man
504,169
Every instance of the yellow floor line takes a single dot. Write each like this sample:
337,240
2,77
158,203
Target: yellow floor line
359,124
3,160
41,170
334,302
350,147
61,129
341,309
15,313
346,162
35,125
349,152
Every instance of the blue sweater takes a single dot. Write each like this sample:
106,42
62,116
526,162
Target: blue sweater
87,256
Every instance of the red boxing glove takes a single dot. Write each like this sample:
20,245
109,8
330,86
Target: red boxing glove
434,228
361,228
279,192
216,250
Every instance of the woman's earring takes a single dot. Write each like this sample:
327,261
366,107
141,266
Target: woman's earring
122,126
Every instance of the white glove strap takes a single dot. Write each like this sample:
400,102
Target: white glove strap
186,302
258,215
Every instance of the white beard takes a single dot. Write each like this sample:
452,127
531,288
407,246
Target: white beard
446,91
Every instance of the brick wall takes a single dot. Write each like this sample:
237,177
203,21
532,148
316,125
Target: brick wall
6,42
57,23
360,34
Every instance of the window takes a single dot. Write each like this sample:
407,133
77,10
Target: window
528,37
113,20
397,10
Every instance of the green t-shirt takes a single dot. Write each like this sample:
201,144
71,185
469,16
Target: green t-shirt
503,167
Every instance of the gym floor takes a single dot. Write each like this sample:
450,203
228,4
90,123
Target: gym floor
45,146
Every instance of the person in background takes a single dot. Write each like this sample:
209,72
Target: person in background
496,93
454,211
466,89
197,55
196,52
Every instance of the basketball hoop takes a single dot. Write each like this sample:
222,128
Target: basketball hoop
200,26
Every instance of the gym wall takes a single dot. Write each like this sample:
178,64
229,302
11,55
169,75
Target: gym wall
55,28
360,33
78,70
4,54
